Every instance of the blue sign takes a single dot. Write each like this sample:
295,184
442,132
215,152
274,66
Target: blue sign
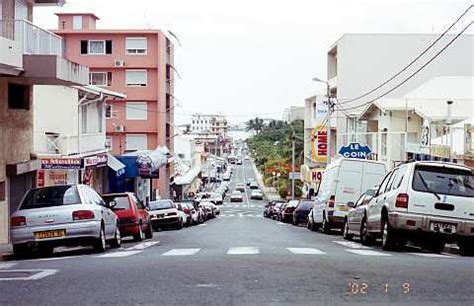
355,150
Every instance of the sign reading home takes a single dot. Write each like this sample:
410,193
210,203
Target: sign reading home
355,150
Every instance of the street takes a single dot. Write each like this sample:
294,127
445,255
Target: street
241,258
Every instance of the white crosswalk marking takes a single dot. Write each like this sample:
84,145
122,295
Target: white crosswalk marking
181,252
202,224
143,245
119,254
243,251
351,244
431,255
7,265
305,251
368,252
241,214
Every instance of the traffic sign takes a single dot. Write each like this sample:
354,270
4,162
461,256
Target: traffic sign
355,150
295,175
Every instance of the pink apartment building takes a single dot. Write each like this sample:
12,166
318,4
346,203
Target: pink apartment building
138,63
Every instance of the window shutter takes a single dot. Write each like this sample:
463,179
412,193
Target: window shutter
108,47
109,78
84,47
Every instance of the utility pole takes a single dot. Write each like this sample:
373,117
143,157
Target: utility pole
330,110
449,122
293,164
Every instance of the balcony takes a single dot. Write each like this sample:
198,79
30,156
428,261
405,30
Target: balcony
66,145
38,52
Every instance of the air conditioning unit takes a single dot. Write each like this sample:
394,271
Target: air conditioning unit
119,63
119,128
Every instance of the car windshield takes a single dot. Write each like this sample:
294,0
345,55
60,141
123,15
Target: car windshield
157,205
306,205
444,180
121,201
51,196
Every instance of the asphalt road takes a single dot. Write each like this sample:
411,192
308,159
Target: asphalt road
240,258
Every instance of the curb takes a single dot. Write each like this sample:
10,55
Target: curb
261,183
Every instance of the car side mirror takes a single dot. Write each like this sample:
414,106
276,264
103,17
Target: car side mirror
351,204
112,204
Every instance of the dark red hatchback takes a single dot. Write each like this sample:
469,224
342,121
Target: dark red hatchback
134,219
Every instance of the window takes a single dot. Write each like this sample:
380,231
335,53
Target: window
108,111
136,110
390,182
99,78
136,77
399,177
77,22
96,47
51,196
108,142
444,180
84,119
135,45
136,142
384,184
18,96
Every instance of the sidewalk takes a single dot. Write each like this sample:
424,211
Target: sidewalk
6,251
270,193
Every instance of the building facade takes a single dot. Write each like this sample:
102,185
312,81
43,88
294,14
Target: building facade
29,55
138,63
293,113
211,124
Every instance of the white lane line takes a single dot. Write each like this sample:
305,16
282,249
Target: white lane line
352,245
7,265
231,215
281,223
368,252
119,254
249,215
55,258
259,216
202,224
306,251
181,252
243,251
36,274
432,255
143,245
241,214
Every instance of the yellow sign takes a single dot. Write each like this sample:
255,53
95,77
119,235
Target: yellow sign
319,144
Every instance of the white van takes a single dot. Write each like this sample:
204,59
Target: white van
343,180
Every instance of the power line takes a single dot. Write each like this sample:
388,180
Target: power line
412,75
413,61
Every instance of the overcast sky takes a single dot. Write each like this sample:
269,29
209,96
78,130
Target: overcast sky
255,57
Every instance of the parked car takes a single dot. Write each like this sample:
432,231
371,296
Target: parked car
240,187
164,213
271,207
134,219
210,209
300,214
239,161
279,211
226,177
428,203
254,185
62,216
343,181
256,195
193,216
185,218
236,196
353,220
286,214
216,198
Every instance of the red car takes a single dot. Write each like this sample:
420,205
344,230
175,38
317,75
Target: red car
132,214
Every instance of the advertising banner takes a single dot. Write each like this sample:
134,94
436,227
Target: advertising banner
319,144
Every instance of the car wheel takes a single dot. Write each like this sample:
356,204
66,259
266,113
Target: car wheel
389,239
141,235
117,241
149,232
325,226
345,232
466,248
100,243
21,251
365,237
179,225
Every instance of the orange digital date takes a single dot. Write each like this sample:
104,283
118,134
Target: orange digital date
362,288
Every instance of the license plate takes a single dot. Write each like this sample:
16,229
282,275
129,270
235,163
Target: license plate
50,234
440,227
342,208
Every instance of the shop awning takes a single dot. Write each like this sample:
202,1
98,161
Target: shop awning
115,165
188,177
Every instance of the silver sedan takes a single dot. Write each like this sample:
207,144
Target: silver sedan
61,216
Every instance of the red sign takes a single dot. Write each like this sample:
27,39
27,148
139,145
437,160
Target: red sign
322,144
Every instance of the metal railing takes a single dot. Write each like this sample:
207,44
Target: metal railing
33,39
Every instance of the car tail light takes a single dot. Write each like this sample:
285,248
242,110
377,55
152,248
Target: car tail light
18,221
411,222
402,200
187,210
83,215
332,201
472,229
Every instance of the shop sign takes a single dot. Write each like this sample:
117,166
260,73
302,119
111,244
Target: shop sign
319,143
355,150
149,164
102,160
99,160
317,174
61,163
90,161
440,151
56,177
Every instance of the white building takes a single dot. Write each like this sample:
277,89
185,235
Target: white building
211,124
358,63
293,113
69,135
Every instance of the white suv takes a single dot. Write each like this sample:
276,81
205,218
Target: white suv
429,203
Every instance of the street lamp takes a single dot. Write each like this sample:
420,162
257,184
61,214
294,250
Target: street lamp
330,109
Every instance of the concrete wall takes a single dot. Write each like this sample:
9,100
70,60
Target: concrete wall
16,144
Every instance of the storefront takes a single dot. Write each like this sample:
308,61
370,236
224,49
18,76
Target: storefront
21,178
186,185
311,177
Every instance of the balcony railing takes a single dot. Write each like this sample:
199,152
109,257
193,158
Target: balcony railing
59,144
33,39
